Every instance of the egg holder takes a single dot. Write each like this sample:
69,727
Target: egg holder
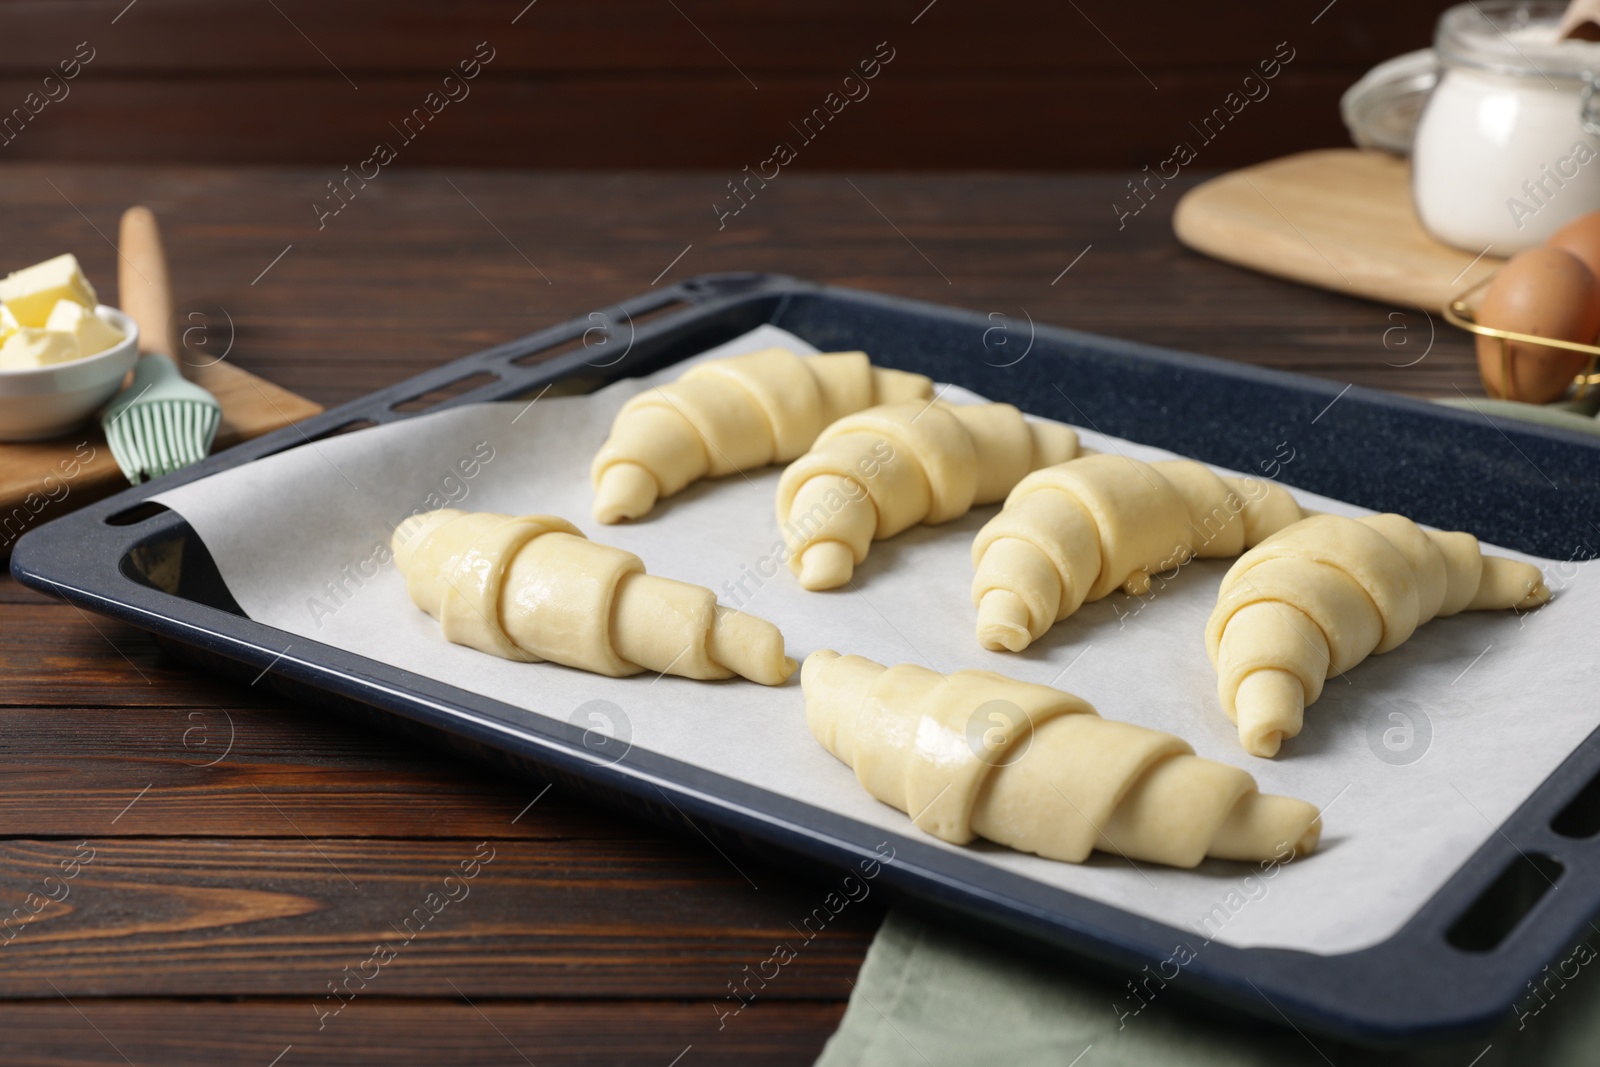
1462,313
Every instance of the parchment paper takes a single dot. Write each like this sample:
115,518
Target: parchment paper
1417,755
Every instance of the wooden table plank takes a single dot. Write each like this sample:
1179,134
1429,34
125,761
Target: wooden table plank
256,772
484,1033
228,917
12,592
932,118
635,83
56,654
386,37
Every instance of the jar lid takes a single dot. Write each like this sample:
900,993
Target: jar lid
1514,37
1381,110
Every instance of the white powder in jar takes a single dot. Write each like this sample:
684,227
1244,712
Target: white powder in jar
1502,158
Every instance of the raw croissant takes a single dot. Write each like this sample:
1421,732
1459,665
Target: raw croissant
1320,596
880,471
534,588
1076,531
977,754
729,415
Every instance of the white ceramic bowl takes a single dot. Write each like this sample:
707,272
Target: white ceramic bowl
37,403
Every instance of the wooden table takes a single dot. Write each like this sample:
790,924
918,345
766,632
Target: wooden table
248,854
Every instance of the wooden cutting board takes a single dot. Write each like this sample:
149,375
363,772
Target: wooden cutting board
1340,219
41,480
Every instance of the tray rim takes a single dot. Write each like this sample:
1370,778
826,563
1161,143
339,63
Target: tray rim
1101,932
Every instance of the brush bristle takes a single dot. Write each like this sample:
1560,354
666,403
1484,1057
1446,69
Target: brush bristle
152,439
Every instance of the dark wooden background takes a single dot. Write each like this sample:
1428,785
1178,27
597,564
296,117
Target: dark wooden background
997,85
247,849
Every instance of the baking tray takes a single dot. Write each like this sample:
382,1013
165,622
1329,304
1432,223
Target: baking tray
1457,967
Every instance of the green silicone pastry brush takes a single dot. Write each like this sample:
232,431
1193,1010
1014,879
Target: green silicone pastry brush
160,422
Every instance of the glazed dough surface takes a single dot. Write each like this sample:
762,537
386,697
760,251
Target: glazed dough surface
1077,531
976,754
733,414
1321,595
534,588
881,471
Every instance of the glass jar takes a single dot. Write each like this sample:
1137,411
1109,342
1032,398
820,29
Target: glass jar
1507,149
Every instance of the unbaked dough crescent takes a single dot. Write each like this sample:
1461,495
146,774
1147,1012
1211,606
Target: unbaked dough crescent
976,754
733,414
1320,596
534,588
880,471
1078,530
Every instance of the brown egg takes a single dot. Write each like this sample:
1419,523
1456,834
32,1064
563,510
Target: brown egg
1580,237
1543,291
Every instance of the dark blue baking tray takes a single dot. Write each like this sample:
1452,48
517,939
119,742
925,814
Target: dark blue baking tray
1457,967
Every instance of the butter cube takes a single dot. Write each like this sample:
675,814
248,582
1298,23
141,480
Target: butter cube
8,323
32,292
30,347
91,333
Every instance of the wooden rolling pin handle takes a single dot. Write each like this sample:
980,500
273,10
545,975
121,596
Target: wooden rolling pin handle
143,284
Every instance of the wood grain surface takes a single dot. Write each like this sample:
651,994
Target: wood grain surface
483,1033
1009,84
572,917
247,850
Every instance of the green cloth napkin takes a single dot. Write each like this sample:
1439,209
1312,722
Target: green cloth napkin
930,997
1577,415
